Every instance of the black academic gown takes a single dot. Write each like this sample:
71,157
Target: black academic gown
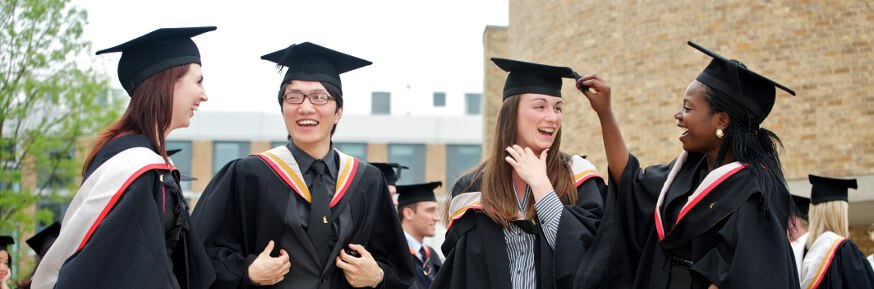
848,269
476,252
730,238
244,206
422,281
144,241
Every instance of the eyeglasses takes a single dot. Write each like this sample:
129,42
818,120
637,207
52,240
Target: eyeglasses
315,98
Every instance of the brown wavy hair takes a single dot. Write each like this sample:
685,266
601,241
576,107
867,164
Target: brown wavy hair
495,174
149,112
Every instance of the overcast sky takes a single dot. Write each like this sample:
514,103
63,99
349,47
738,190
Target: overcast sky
424,45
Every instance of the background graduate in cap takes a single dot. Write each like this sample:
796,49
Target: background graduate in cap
5,261
716,216
832,260
292,216
40,243
391,172
503,218
128,225
417,210
797,231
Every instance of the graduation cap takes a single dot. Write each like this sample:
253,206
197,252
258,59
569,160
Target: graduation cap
803,205
6,241
183,177
409,194
42,241
752,90
388,171
154,52
311,62
527,77
829,189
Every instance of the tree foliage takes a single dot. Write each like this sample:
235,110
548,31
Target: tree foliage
49,103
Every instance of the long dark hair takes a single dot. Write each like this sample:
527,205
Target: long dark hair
749,143
496,175
149,112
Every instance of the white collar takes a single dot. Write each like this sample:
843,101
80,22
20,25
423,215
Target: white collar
414,244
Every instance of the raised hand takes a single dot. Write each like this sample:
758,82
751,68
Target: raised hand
598,93
531,169
267,270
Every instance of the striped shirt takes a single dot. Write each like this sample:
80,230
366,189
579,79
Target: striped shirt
520,245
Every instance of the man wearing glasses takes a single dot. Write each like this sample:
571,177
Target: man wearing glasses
304,214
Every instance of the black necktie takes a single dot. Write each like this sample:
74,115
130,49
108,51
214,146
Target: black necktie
320,213
426,263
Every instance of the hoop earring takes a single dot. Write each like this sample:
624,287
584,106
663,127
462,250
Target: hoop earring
719,133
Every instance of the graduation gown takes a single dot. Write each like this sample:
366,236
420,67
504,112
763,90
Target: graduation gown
718,231
835,262
476,251
142,237
422,281
251,200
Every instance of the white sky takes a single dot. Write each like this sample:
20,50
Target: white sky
429,45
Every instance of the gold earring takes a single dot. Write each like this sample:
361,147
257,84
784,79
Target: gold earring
719,133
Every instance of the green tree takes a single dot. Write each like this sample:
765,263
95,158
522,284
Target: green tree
49,103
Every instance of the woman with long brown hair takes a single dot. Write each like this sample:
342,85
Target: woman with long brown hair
128,225
504,215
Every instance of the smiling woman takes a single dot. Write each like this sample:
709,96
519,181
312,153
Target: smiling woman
128,225
716,216
504,215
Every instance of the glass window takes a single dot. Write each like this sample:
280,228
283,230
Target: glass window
459,159
358,150
411,155
439,99
226,151
182,159
472,103
277,143
380,103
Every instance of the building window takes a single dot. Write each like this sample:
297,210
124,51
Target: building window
358,150
472,103
439,99
460,159
182,159
278,143
411,155
225,151
381,103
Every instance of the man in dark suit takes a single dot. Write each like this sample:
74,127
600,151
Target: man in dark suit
417,210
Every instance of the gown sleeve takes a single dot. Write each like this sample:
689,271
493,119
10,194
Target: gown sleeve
384,237
220,219
749,236
128,248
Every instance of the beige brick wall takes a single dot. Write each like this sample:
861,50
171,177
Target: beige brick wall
377,152
201,164
435,169
494,45
823,50
862,238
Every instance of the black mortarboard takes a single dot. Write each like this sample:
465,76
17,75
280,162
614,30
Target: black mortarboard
311,62
527,77
829,189
182,177
154,52
388,171
41,242
6,241
752,90
803,205
409,194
